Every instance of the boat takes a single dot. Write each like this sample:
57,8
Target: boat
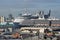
40,19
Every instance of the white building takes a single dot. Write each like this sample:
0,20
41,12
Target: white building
2,19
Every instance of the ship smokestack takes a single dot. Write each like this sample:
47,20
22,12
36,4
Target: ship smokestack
49,13
41,14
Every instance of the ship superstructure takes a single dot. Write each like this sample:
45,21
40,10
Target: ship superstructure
40,19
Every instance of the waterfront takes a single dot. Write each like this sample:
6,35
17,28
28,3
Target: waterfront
29,20
30,27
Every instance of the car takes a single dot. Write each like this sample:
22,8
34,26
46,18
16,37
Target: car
7,34
2,37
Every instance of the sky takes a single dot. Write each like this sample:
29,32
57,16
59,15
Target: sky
15,7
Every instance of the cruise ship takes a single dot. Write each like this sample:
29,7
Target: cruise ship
40,19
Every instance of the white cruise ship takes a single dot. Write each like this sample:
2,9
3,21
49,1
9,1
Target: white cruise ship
40,19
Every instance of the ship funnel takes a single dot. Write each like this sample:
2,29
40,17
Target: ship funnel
49,13
41,14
